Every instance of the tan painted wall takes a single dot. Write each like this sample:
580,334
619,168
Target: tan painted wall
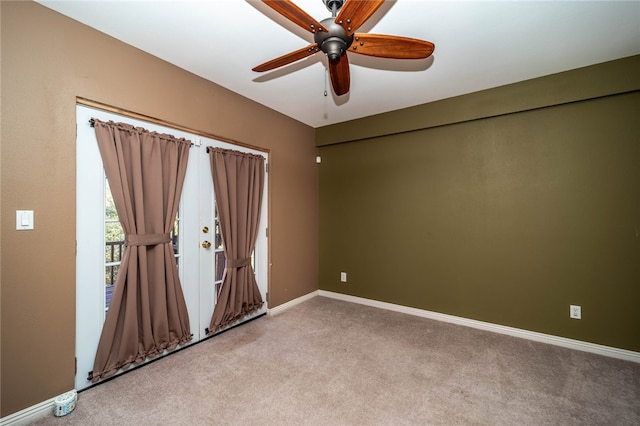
48,60
504,206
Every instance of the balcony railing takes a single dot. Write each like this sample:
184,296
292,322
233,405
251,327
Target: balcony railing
113,257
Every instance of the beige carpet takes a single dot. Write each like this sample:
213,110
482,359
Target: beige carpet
328,362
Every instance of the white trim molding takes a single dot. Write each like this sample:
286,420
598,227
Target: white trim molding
496,328
281,308
30,414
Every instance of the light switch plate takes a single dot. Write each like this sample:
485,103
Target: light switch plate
24,220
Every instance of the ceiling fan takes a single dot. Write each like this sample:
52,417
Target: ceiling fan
336,35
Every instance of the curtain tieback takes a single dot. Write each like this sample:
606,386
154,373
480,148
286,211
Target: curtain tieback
238,263
147,239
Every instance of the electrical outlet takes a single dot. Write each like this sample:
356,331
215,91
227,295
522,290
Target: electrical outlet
343,277
575,312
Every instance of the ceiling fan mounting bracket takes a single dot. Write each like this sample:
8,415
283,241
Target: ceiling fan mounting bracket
333,6
335,42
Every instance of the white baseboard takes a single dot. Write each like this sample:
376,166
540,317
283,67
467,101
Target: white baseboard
29,414
281,308
496,328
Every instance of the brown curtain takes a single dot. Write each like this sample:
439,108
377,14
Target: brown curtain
147,314
238,181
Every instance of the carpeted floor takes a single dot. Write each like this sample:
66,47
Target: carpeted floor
329,362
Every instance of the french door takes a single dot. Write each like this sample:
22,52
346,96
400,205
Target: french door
196,237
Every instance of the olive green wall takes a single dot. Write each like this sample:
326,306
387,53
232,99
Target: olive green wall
494,206
48,60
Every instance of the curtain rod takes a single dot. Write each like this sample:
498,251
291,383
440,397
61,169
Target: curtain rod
92,123
131,114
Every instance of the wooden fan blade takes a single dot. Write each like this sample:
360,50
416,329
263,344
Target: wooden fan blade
354,13
296,15
339,74
288,58
387,46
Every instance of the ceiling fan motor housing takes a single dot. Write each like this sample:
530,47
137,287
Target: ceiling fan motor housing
335,42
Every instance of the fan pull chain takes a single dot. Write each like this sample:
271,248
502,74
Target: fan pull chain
325,82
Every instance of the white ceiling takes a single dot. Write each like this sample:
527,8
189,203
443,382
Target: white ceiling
479,45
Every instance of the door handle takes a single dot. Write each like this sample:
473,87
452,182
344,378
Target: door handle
206,244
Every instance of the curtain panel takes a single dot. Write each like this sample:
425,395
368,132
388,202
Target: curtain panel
148,313
238,182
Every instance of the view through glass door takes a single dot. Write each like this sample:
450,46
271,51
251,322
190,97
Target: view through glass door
196,237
